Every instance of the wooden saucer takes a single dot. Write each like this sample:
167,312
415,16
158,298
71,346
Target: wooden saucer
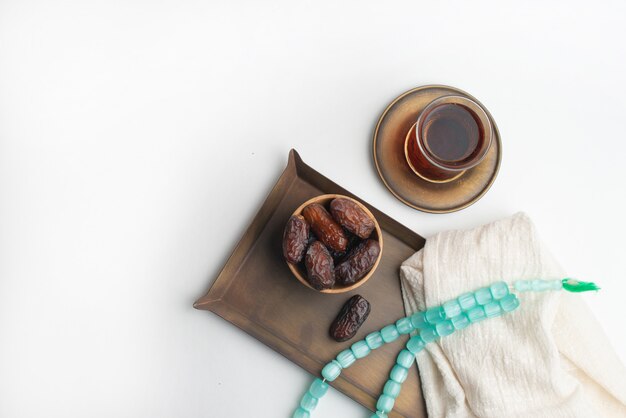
393,169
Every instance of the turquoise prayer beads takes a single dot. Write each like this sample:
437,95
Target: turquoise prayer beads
444,328
331,371
429,334
418,320
435,315
537,285
499,290
460,321
452,308
415,344
318,388
361,349
509,303
404,326
405,358
434,323
310,399
374,340
346,358
389,333
467,301
392,389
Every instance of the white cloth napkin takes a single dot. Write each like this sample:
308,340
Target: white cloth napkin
549,358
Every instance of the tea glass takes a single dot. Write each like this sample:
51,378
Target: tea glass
418,149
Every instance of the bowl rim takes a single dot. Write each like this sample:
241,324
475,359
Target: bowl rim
379,237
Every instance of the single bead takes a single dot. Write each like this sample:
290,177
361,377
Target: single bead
460,321
499,290
522,285
389,333
379,414
429,335
451,308
415,344
374,340
445,328
476,314
556,284
509,303
435,315
492,309
331,370
467,301
346,358
301,413
539,285
308,402
404,326
405,358
398,373
360,349
483,296
385,403
318,388
418,320
392,389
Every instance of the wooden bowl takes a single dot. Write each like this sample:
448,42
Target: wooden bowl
300,272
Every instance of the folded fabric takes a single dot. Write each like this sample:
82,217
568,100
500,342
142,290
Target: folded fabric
549,358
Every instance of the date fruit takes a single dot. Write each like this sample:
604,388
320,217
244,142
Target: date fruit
325,228
353,241
352,217
359,262
295,239
354,312
311,236
319,266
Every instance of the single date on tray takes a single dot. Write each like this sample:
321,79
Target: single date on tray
352,315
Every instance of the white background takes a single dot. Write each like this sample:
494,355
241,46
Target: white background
138,139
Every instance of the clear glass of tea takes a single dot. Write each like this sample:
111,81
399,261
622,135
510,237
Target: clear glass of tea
452,134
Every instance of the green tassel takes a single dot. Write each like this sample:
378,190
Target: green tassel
577,286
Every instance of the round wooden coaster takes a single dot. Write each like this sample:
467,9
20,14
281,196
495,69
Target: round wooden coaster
393,169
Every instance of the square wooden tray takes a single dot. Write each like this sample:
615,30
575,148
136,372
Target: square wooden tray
256,291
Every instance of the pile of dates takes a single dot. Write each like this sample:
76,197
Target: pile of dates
334,243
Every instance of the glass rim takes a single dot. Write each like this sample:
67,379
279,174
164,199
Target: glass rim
478,111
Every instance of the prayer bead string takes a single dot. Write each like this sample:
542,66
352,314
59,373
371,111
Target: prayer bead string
428,326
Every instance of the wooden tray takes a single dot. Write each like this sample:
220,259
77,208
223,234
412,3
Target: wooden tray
257,292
